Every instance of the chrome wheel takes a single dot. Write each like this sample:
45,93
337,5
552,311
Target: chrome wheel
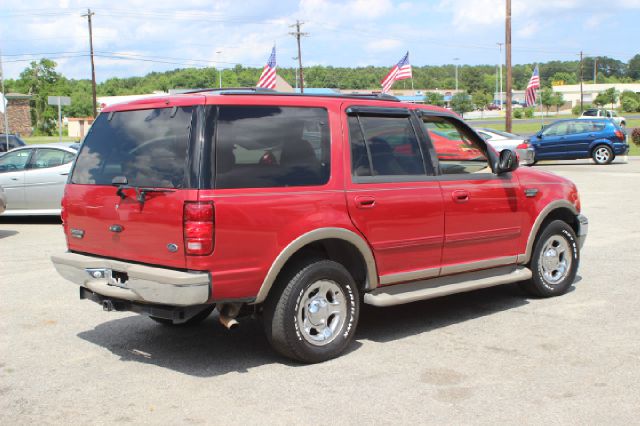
555,259
602,154
321,312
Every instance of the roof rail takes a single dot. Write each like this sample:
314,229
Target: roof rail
232,89
381,96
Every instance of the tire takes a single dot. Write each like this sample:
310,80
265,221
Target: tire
196,319
312,313
554,261
602,154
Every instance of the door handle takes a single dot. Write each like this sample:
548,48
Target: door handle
64,174
365,202
460,196
14,178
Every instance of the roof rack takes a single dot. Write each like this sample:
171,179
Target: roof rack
263,91
232,89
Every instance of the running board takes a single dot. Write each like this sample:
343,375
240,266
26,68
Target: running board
443,286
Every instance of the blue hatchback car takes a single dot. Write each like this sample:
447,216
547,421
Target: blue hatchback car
600,139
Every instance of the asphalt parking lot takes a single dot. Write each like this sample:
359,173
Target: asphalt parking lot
483,357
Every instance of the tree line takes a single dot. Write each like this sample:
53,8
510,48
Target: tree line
40,79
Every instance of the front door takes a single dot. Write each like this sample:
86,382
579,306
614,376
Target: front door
483,222
392,194
12,166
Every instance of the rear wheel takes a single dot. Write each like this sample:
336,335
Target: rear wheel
196,319
313,313
554,261
602,154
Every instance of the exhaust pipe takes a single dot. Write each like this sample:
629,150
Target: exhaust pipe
107,306
228,313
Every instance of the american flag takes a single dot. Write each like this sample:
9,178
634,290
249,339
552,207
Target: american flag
268,78
534,83
401,71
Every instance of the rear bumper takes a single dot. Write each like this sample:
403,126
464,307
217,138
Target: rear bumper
620,148
133,282
583,229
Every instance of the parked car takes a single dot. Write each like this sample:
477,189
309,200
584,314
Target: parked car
3,200
603,113
34,177
493,107
14,142
503,140
600,139
299,208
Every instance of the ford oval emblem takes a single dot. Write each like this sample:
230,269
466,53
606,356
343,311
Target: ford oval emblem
172,247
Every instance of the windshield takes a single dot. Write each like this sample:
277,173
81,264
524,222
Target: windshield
147,147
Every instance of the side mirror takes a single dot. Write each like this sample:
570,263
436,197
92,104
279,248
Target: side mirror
507,162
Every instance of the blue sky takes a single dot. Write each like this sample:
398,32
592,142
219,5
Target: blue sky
134,37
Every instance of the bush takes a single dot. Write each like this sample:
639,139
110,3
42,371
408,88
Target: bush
576,109
517,113
528,112
635,136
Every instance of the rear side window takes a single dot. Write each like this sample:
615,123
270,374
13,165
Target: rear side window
148,147
262,147
47,157
590,113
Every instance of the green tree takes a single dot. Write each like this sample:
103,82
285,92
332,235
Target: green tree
546,98
41,80
630,101
557,100
434,98
565,78
609,96
633,67
461,103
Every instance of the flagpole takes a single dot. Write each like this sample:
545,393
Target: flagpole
6,106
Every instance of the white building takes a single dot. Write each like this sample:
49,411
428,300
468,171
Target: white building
571,92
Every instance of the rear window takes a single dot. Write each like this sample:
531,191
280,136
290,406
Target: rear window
262,147
148,147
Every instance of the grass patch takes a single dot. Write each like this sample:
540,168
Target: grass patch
47,139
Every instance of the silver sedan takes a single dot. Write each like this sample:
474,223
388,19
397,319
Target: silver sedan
503,140
33,178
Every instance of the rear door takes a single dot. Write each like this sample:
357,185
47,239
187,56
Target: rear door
392,194
12,167
149,149
45,177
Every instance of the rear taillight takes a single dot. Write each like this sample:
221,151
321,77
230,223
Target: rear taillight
199,227
620,135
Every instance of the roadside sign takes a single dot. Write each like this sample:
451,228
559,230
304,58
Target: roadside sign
59,100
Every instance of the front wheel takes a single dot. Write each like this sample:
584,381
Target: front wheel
602,154
313,313
554,261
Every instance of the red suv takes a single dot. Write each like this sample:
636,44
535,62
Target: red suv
299,209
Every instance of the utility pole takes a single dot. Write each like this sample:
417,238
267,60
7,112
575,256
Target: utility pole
581,78
595,69
297,34
89,14
456,61
500,56
507,123
219,53
295,58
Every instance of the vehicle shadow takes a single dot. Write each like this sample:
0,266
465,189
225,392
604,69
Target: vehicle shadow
208,350
7,233
30,220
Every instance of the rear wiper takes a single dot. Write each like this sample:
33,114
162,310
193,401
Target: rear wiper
122,183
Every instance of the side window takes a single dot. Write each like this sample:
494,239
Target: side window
263,147
47,157
14,161
556,129
384,146
590,113
597,126
457,151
